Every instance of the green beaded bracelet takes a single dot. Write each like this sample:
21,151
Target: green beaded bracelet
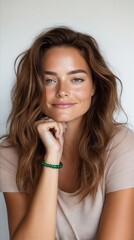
51,165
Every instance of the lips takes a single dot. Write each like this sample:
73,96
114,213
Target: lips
63,105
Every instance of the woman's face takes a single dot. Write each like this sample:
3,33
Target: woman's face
68,85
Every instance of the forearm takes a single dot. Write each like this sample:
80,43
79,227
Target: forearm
40,220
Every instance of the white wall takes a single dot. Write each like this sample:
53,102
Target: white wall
109,21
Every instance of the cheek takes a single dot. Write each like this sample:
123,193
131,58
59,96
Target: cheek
47,95
85,94
85,97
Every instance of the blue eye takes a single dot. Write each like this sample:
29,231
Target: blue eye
49,81
77,80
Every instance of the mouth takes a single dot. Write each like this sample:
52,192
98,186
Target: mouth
63,105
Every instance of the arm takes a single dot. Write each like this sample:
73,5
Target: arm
117,219
36,218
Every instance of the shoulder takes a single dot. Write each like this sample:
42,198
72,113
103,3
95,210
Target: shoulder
8,167
122,142
119,168
8,155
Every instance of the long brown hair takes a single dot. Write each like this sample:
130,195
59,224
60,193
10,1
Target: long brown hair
97,127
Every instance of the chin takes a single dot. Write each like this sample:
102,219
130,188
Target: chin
62,119
66,118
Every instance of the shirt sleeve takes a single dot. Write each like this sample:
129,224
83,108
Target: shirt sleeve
120,165
8,169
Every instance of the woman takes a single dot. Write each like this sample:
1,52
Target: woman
67,167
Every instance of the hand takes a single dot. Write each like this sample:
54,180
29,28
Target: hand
51,134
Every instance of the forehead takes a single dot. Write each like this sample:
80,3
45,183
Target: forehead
62,50
64,57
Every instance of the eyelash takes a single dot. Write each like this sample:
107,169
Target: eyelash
77,80
47,81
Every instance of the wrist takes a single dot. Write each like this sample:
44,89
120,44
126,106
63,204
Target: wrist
55,166
51,159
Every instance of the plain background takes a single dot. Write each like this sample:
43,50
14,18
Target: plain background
110,22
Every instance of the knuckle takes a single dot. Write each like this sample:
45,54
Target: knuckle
40,127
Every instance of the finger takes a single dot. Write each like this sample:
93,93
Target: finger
56,128
57,132
64,126
61,128
51,125
42,120
48,119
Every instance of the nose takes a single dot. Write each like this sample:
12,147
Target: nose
61,94
62,90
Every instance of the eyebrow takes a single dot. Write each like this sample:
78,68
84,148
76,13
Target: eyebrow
69,73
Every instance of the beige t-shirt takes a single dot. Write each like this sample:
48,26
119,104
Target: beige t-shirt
79,220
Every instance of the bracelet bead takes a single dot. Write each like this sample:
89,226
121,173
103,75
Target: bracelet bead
44,164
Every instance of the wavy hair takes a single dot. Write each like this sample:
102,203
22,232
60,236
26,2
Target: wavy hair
98,123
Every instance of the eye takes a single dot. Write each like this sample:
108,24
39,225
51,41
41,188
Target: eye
77,80
49,81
